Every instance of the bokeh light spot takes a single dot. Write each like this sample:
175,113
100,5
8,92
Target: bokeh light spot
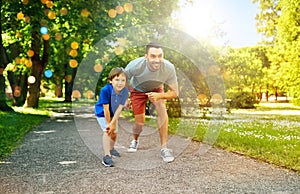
89,94
46,36
203,99
43,30
112,13
216,99
119,50
73,63
27,19
68,78
128,7
98,68
63,11
48,73
74,45
73,53
17,60
30,53
76,94
119,9
31,79
49,4
28,63
20,15
25,2
51,15
226,76
85,13
17,91
58,36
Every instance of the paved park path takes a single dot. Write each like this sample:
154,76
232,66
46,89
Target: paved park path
63,155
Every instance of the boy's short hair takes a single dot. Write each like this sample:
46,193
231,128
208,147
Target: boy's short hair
116,71
153,44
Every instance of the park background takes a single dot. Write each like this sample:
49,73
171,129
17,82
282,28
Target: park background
44,44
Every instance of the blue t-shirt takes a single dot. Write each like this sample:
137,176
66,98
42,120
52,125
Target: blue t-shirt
108,96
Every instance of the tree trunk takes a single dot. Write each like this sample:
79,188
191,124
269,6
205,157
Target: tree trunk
58,88
3,63
37,68
69,82
3,104
19,88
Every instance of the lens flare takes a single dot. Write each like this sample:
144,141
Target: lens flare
43,30
48,73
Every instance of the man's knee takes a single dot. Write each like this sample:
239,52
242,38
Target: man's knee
137,128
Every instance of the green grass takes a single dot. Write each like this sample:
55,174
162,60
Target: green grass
15,125
270,134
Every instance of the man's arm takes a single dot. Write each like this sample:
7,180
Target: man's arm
171,93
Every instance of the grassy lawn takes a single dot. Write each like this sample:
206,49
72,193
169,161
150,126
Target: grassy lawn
14,125
270,133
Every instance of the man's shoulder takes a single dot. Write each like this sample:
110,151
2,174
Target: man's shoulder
137,60
168,64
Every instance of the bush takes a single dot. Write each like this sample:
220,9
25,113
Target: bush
242,99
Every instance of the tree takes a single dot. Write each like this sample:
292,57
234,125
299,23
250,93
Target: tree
49,28
281,25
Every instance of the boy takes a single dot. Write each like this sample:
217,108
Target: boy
112,99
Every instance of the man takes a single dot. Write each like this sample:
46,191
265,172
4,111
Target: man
147,76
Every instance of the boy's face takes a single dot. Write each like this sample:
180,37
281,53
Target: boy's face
118,82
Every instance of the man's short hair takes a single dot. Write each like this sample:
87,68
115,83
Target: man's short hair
153,45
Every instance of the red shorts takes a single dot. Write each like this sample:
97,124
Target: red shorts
139,100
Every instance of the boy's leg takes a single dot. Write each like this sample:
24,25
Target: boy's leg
106,144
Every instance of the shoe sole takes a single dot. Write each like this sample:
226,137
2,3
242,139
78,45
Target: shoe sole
168,160
107,165
131,150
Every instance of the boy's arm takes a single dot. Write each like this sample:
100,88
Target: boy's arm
112,125
106,113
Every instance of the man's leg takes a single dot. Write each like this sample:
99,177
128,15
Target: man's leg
138,125
162,121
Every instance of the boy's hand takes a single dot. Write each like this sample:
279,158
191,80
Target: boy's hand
110,131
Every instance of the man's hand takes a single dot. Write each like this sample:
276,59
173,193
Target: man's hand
154,96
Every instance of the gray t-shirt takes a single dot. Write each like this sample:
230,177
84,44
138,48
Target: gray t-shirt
144,80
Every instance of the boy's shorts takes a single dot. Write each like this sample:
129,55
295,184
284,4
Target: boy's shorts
139,99
102,123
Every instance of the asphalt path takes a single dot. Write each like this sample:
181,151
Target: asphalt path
63,155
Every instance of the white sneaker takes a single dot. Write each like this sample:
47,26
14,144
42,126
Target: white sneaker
166,155
133,146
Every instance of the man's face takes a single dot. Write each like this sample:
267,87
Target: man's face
155,58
